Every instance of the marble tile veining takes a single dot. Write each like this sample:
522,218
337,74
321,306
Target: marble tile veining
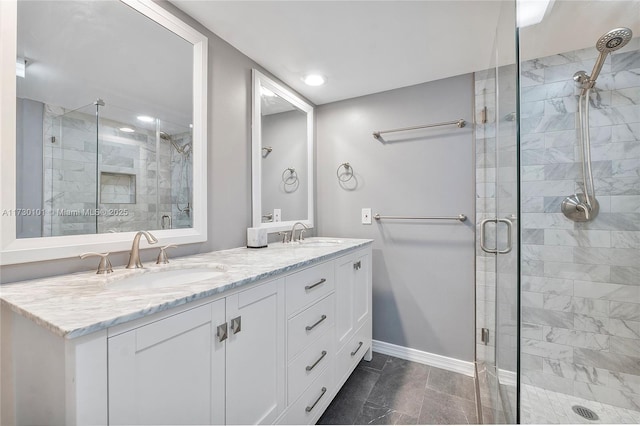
82,303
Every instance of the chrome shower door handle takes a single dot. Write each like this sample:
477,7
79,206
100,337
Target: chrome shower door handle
484,248
509,236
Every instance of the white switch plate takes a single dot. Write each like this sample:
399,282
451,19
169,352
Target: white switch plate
277,215
366,216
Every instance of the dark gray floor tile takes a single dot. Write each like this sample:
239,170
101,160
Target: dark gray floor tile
348,403
377,363
341,411
452,383
359,384
400,387
442,408
373,414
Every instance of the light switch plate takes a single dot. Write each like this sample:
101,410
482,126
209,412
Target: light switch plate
366,216
277,215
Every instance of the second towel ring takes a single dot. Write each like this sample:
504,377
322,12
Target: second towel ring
348,171
292,179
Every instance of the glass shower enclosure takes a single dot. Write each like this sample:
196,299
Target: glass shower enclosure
558,296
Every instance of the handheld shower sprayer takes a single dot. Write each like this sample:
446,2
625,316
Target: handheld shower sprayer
583,207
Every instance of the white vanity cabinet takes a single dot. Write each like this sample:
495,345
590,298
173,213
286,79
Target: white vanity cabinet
214,364
274,350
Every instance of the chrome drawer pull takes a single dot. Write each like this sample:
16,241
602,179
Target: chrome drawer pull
311,287
357,349
221,332
311,407
312,366
311,327
236,325
357,265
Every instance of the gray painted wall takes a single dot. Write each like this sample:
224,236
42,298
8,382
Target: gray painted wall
286,133
423,273
229,163
29,165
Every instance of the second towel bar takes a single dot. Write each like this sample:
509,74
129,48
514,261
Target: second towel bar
460,217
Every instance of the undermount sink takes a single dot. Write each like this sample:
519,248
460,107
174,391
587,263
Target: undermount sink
320,242
167,278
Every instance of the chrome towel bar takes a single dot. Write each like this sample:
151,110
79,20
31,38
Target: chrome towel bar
460,123
460,217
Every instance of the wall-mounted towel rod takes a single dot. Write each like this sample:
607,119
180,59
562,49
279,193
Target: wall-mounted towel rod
460,217
460,123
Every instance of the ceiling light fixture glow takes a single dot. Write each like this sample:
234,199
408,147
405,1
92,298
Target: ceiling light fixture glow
146,118
314,79
21,67
531,12
126,129
266,92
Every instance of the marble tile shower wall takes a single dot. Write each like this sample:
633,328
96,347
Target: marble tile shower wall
70,177
581,281
182,181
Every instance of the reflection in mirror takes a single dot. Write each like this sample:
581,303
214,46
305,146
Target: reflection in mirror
104,113
282,157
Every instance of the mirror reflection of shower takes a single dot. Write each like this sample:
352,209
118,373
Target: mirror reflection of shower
181,164
584,207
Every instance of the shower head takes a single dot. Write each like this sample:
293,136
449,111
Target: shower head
609,42
614,40
165,136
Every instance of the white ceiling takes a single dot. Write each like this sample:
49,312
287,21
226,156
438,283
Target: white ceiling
366,47
80,51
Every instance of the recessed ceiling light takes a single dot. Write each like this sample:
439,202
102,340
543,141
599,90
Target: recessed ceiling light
126,129
146,118
315,79
266,92
21,65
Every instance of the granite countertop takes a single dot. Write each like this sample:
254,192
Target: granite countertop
78,304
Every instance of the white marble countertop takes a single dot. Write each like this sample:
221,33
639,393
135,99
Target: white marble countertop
78,304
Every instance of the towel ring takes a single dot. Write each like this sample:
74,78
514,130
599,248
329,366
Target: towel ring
348,170
292,179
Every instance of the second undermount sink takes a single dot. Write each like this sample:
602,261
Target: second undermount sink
320,242
167,278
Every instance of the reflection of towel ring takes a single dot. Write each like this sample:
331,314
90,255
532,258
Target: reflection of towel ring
292,178
348,171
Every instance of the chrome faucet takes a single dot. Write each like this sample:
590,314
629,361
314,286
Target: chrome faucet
293,231
134,255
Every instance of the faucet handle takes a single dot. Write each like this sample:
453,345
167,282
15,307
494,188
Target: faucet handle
104,267
162,256
301,235
285,236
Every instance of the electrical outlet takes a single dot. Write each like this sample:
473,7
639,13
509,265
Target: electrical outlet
277,215
366,216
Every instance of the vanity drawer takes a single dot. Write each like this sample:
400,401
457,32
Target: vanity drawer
305,287
309,325
307,366
310,406
352,352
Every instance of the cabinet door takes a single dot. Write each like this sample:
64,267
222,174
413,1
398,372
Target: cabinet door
353,293
361,288
255,355
170,371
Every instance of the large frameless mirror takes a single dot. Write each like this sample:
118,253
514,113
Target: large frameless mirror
108,127
282,158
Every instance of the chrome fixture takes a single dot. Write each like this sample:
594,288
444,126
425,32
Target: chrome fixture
293,231
509,224
285,236
184,149
584,207
348,172
267,150
163,259
104,267
168,224
134,256
267,217
99,102
460,123
460,217
291,178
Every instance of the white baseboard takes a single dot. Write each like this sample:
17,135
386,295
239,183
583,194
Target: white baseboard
458,366
507,377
